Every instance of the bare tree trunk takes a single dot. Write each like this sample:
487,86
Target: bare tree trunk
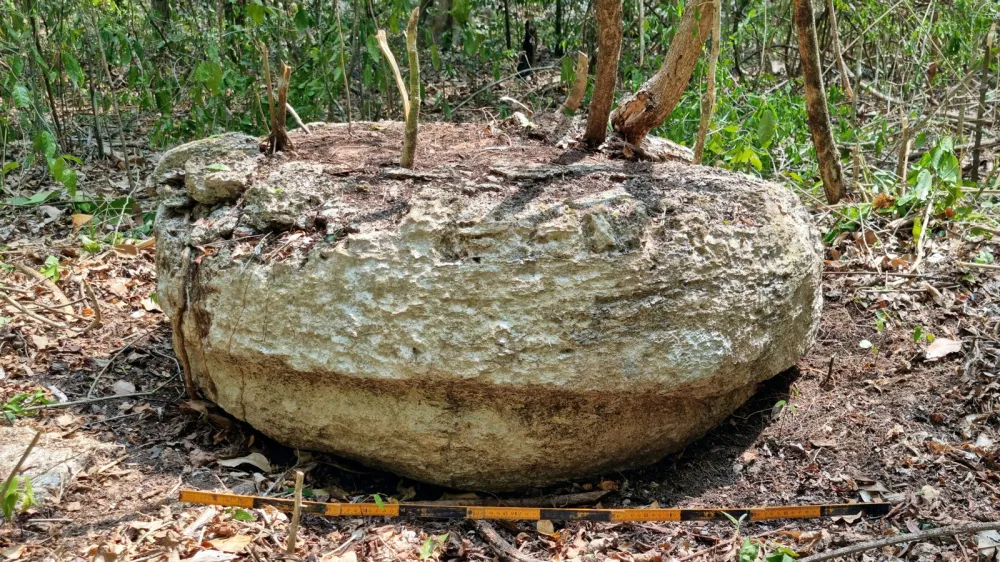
984,86
506,23
819,116
651,105
837,54
708,102
609,31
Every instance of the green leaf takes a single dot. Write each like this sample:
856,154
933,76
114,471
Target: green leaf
69,179
949,168
301,20
9,167
755,162
378,501
748,551
210,73
923,187
243,515
765,130
45,144
427,549
256,12
917,228
73,69
51,268
918,332
21,96
36,199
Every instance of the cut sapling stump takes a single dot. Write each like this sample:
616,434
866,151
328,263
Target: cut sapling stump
575,96
609,28
411,100
413,113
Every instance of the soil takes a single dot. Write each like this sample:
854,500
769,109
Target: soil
865,416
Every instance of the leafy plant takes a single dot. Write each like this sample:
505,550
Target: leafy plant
16,405
748,551
432,542
50,268
17,498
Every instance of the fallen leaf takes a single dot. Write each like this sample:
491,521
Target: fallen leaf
824,442
929,493
118,289
123,387
235,543
545,527
608,485
254,459
73,506
79,220
41,342
12,552
65,420
150,305
146,244
941,347
126,250
988,541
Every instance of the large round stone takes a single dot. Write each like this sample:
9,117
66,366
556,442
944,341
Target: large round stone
491,321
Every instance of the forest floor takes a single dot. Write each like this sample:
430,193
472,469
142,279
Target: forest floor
898,401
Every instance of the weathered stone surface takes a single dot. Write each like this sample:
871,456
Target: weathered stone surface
221,177
228,149
52,463
498,337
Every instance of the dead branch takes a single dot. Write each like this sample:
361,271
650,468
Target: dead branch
909,537
60,296
30,314
503,548
708,102
293,526
298,121
383,45
837,53
572,102
609,32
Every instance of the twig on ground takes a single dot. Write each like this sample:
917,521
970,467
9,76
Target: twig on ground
200,522
293,526
20,463
909,537
50,285
31,314
503,548
98,399
989,266
995,231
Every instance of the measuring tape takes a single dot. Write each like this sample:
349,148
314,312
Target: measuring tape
433,511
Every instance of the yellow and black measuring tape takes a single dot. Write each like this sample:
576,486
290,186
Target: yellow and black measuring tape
433,511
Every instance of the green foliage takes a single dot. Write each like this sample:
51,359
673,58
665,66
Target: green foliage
432,542
240,514
17,498
748,551
15,406
50,268
378,501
